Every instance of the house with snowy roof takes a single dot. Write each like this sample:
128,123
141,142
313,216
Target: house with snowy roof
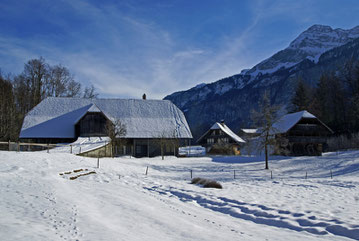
220,139
300,133
64,120
247,134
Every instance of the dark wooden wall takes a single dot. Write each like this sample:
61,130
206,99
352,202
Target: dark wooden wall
92,124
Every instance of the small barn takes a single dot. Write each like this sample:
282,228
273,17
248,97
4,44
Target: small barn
151,126
220,139
300,134
247,134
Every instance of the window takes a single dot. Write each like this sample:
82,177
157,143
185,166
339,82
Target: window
223,140
210,141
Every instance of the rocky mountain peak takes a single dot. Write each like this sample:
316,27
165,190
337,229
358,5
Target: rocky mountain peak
320,38
319,28
310,44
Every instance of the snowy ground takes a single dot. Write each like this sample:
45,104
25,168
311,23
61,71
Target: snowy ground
120,202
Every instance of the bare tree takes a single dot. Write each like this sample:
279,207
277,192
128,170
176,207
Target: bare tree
116,131
35,73
8,113
265,117
73,89
164,140
90,93
59,81
175,141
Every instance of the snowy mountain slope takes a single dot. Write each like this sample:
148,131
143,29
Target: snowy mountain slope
316,50
310,44
119,202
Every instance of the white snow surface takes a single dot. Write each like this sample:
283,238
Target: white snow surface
83,144
228,131
56,117
120,202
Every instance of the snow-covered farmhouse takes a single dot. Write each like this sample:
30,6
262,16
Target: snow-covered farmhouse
220,139
149,124
300,133
247,134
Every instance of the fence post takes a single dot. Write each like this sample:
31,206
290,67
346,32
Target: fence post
146,170
98,162
80,150
191,174
48,148
71,149
271,175
331,174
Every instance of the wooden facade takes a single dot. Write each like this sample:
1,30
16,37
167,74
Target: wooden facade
307,137
91,124
217,140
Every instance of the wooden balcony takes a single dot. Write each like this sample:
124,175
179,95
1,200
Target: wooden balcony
306,139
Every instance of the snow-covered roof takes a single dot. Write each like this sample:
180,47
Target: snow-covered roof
55,117
250,131
229,132
285,123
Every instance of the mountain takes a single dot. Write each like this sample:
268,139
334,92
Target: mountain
317,50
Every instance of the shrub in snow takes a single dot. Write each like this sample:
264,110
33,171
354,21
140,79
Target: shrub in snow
212,184
195,180
206,183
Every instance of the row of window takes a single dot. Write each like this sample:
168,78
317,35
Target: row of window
219,140
217,132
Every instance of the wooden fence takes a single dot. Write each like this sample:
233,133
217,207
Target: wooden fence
24,146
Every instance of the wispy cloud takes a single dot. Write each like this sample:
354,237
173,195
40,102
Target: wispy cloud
125,52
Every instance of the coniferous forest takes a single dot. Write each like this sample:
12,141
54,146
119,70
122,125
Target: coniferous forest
334,100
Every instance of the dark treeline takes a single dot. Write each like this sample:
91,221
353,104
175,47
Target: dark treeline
20,93
335,99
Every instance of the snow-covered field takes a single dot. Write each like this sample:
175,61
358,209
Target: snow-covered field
120,202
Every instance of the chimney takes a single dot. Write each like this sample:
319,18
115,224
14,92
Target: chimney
144,96
222,122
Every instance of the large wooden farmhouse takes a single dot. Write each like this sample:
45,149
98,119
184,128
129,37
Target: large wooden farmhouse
149,124
220,139
300,133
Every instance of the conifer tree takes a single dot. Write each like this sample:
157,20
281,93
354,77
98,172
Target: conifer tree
301,98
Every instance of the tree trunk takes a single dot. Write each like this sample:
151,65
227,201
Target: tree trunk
162,154
266,155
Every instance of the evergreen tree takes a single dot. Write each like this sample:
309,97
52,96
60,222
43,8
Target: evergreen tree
301,98
354,107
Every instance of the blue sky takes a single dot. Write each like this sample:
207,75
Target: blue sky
127,48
